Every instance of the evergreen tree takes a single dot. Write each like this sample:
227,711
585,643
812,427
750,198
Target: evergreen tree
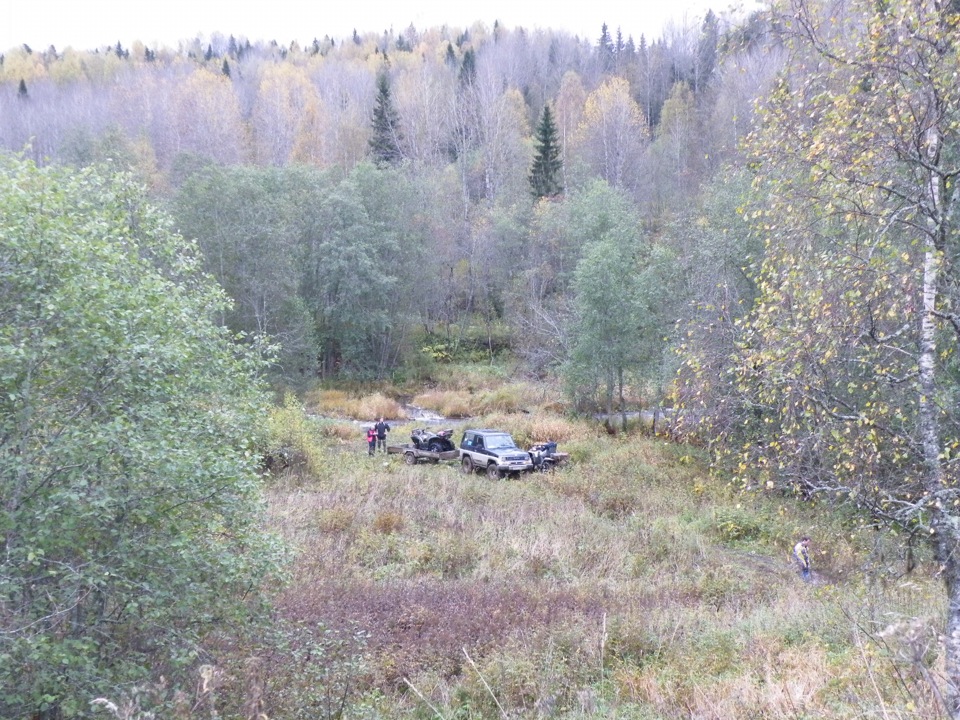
385,142
547,166
468,69
705,61
605,49
22,90
225,69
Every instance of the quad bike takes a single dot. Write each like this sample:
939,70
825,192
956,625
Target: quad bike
434,441
545,456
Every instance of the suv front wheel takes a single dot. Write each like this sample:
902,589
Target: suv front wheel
466,465
493,472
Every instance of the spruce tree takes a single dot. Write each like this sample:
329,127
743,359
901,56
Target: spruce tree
22,90
605,49
385,142
468,68
545,174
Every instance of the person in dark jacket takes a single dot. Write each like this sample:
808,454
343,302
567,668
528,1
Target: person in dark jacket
382,429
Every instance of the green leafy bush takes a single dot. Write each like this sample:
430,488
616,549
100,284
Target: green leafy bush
132,508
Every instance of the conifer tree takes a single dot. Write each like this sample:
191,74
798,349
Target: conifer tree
225,68
468,68
22,90
547,165
385,142
605,49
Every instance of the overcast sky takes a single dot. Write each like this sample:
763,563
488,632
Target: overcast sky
87,24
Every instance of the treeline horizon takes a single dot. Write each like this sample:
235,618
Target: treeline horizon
365,265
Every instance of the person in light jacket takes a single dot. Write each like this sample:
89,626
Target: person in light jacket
802,557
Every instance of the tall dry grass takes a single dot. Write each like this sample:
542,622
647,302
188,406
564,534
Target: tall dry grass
339,403
463,402
629,584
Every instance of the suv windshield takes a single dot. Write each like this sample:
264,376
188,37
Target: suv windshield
498,442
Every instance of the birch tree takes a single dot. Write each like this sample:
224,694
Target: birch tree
848,368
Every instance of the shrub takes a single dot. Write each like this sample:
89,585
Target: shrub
128,418
345,432
294,439
448,556
387,523
335,520
737,525
309,671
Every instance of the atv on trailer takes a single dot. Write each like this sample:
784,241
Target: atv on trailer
432,440
430,445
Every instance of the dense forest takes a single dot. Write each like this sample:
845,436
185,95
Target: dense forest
749,220
369,201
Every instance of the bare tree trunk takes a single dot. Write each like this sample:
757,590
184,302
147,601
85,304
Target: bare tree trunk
609,399
944,525
623,404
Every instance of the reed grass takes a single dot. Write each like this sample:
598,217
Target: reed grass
630,584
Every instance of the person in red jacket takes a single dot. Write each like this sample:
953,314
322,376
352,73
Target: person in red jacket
371,440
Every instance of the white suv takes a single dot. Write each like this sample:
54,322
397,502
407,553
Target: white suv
494,452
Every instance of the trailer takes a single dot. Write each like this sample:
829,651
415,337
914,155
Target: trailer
412,454
543,457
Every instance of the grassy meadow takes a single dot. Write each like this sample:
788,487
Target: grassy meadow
629,584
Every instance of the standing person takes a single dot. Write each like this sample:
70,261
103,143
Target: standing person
802,557
382,429
371,441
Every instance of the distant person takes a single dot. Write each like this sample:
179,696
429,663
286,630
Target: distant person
802,557
371,440
382,429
